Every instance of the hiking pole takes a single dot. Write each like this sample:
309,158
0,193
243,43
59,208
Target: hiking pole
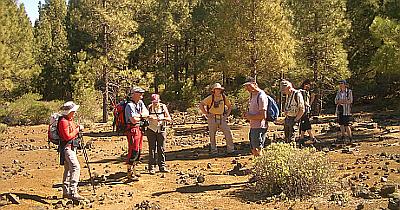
87,161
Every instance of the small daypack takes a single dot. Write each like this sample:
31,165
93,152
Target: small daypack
119,123
52,132
272,109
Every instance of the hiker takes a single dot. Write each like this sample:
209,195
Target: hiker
156,134
135,115
257,114
343,101
216,108
305,124
68,132
294,110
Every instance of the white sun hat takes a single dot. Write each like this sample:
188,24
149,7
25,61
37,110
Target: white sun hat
69,107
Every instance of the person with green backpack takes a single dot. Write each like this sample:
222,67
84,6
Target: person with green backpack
216,108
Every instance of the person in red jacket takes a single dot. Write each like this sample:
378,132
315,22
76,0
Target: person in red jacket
68,131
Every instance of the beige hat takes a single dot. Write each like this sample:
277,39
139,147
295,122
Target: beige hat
69,107
217,86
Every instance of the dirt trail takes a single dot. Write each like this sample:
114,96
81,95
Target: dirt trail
30,171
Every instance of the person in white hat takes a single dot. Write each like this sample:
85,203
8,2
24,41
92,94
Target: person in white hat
156,134
68,131
135,113
216,108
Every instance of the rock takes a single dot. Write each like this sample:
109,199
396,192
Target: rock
200,179
13,198
209,165
394,204
360,206
387,189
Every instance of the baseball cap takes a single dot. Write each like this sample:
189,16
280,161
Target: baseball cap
137,89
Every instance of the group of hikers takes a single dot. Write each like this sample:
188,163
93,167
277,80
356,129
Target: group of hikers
215,108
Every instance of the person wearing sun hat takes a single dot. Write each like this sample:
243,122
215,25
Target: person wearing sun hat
135,112
68,132
156,134
216,108
343,101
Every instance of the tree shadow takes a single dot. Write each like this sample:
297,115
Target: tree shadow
118,178
37,198
202,188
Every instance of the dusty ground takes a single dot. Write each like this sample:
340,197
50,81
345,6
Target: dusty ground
30,170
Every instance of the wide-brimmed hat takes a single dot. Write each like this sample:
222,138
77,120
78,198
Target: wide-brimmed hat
68,107
217,86
249,80
137,89
155,98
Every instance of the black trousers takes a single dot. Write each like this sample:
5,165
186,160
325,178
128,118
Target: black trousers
156,147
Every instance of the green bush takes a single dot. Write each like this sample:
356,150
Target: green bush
3,128
284,169
28,110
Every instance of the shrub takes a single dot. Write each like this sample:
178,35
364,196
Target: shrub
28,110
294,172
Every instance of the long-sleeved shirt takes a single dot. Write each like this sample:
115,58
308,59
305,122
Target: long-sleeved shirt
67,129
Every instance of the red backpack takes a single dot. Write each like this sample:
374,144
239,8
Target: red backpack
119,123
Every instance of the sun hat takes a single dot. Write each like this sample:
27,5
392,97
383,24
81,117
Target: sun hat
155,98
217,86
69,107
137,89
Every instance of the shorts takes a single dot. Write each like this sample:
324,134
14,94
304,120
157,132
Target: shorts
257,137
344,120
305,123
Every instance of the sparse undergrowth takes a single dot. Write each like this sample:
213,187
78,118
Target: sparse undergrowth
286,170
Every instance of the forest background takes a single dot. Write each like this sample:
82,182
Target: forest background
92,52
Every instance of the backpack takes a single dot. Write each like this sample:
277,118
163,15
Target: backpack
52,132
212,102
119,122
272,109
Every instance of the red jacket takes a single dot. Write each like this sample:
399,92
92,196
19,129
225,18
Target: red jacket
67,129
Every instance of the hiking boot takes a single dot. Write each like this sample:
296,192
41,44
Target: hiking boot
315,140
68,196
350,139
129,174
77,197
152,171
133,178
164,170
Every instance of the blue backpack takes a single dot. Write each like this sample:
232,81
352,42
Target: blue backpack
272,110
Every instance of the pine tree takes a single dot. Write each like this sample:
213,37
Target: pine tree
109,35
321,27
52,51
17,65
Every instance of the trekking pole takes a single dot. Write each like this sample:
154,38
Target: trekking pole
87,161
